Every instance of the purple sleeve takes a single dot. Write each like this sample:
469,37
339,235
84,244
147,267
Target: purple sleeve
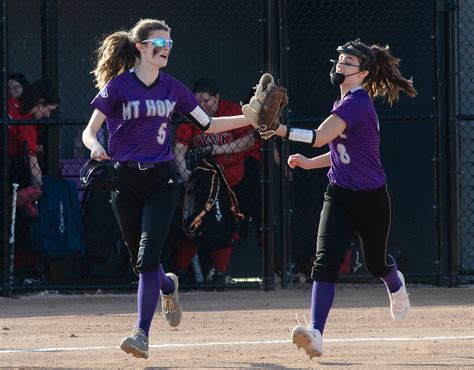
187,102
352,110
106,99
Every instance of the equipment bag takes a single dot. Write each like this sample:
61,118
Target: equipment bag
107,254
211,212
58,228
95,175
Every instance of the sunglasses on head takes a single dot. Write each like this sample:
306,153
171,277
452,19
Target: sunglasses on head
160,42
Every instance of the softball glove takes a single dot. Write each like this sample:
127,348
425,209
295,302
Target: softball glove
265,107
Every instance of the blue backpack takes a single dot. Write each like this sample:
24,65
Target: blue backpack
58,229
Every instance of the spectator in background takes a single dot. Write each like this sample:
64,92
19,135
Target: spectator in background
37,101
16,84
229,149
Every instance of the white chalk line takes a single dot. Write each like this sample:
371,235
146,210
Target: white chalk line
239,343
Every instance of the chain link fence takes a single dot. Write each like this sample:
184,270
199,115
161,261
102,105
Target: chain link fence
229,43
315,29
465,219
57,40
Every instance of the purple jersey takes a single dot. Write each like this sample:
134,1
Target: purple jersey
355,155
138,116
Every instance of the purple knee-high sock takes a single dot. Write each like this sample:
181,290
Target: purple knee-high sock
391,280
148,293
167,285
322,298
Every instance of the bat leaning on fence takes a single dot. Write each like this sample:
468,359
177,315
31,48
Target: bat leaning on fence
11,240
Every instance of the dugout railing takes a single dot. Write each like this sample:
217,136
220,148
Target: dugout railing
426,141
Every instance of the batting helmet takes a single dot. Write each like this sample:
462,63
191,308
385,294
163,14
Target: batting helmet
362,51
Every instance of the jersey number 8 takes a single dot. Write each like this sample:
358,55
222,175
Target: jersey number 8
343,155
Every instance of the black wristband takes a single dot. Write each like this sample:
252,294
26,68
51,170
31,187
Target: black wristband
301,135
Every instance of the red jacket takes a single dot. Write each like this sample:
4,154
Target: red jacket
19,135
189,135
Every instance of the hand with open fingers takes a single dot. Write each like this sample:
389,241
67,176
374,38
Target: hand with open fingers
98,152
298,160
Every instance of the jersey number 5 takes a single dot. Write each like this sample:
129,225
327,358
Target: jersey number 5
161,134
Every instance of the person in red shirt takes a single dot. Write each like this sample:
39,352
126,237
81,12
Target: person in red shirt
36,102
228,148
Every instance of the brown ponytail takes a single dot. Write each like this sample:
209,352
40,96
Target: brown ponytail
116,54
385,79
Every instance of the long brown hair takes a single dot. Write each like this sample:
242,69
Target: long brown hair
385,79
118,52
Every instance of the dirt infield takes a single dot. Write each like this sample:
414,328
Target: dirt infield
241,329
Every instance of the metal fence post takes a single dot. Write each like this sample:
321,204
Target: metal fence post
268,225
50,69
452,111
284,152
440,202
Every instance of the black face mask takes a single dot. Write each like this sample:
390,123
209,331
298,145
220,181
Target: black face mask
336,77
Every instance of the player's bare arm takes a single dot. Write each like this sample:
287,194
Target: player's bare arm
211,125
89,136
220,124
331,128
299,160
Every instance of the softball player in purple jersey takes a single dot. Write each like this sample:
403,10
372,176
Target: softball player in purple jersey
357,199
137,101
